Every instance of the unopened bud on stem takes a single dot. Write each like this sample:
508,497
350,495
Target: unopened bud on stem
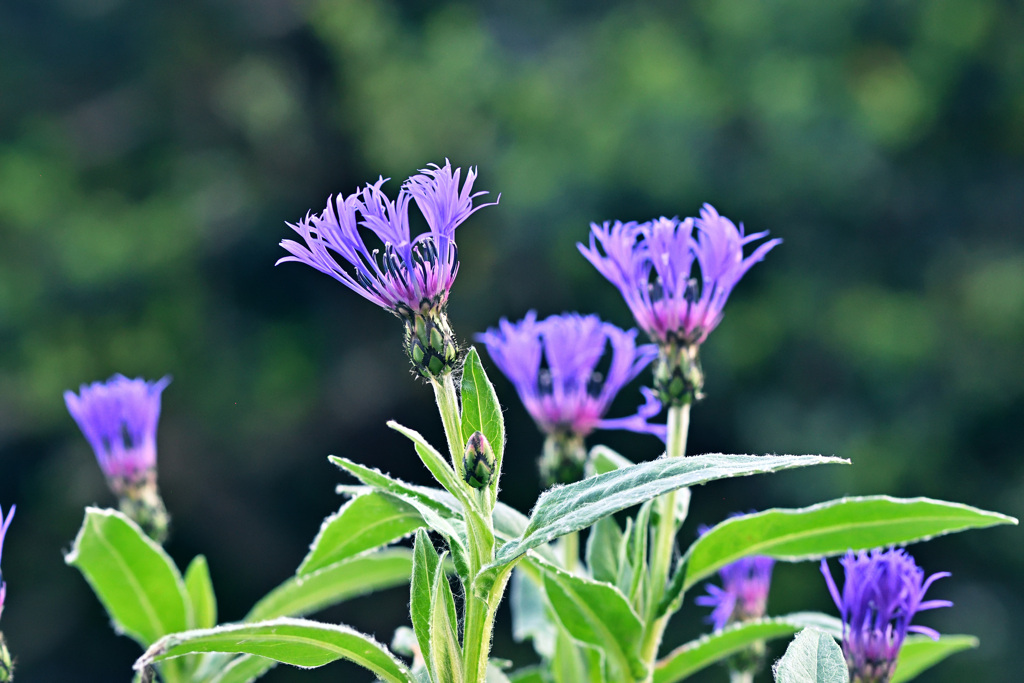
479,462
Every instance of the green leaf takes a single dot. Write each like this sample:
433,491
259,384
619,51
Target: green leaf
597,614
335,583
243,669
603,548
830,528
602,459
481,411
812,657
695,655
531,674
570,663
439,509
364,523
445,652
298,642
200,593
138,584
530,619
435,462
576,506
424,567
637,550
921,652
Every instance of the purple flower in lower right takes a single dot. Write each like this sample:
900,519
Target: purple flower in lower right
882,591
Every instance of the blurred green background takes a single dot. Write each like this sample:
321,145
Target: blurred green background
151,152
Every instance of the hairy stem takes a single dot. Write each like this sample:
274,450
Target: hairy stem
448,406
664,544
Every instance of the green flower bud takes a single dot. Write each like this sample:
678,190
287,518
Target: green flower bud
678,377
430,344
479,462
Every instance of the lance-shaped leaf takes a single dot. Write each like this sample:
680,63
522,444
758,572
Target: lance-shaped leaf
691,657
576,506
921,652
435,462
812,657
449,480
445,652
307,593
604,550
425,566
481,411
298,642
439,509
364,523
602,459
597,614
830,528
200,593
138,584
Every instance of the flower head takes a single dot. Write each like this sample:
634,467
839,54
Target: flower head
743,595
119,420
553,365
882,592
409,275
4,523
652,264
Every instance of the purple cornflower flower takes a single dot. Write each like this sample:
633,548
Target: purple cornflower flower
4,523
652,264
565,393
411,274
119,420
411,277
743,595
553,366
882,592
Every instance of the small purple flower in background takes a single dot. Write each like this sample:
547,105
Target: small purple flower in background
743,595
652,264
553,365
882,592
4,523
119,420
411,277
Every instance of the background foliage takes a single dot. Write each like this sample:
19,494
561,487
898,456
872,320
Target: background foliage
149,154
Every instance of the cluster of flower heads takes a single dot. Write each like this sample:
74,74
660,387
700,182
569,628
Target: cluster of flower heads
652,264
411,274
882,591
119,419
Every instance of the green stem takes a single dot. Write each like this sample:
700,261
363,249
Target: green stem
571,551
479,614
448,406
664,544
479,627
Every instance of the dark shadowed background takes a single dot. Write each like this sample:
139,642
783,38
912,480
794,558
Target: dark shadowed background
151,152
